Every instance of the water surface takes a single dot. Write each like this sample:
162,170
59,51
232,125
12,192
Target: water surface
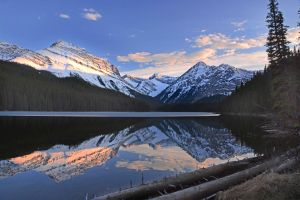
108,114
75,158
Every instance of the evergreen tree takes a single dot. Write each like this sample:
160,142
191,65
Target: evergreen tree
277,44
299,23
25,88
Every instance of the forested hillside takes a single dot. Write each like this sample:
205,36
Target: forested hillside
25,88
275,91
251,97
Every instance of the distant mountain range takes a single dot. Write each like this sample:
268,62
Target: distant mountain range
64,59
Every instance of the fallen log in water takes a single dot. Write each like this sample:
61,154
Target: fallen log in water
212,187
186,179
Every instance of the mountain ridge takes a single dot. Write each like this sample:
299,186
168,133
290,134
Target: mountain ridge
151,86
202,81
64,59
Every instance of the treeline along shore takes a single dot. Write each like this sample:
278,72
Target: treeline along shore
27,89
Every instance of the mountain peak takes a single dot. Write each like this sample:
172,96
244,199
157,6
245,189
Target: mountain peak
201,63
226,66
10,51
64,44
155,75
127,76
59,43
202,81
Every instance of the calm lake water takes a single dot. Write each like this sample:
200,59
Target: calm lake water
74,158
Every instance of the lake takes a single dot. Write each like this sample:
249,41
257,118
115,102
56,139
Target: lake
66,157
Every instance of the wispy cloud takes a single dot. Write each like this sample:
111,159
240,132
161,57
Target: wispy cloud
293,35
132,36
213,49
64,16
91,14
188,40
174,63
239,26
221,41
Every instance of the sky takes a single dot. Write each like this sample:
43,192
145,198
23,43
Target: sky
143,37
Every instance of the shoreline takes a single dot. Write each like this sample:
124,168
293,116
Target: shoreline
106,114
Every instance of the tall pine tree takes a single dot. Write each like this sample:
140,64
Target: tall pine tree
299,24
277,44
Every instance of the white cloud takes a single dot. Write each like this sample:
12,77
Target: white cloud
221,41
172,63
214,49
64,16
293,35
188,40
239,26
140,57
91,14
251,61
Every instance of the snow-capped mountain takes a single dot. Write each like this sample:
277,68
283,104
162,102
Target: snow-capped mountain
152,86
202,81
202,141
10,51
62,162
163,78
64,59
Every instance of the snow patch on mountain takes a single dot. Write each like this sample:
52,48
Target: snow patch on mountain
152,86
10,51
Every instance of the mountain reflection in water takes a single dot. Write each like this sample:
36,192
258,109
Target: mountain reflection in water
67,158
167,145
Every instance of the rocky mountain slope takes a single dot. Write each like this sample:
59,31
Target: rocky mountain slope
202,81
152,86
10,51
64,59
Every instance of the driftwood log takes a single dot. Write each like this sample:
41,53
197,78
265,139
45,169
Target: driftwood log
288,164
186,179
212,187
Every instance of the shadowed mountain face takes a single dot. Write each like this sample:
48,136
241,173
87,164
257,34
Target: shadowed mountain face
194,140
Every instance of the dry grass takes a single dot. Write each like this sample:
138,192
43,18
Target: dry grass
270,186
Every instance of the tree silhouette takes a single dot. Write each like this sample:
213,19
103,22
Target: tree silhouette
277,44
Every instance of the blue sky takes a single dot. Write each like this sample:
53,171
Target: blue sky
146,36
